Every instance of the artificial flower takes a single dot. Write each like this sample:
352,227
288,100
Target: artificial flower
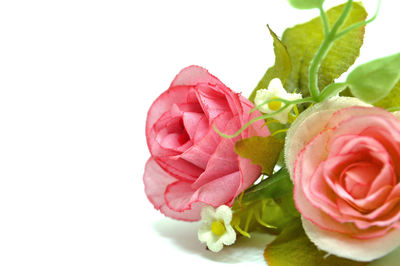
275,90
191,165
344,158
216,230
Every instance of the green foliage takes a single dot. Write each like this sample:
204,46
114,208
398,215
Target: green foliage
332,90
306,4
263,151
303,41
281,69
374,80
292,247
274,126
391,100
276,187
268,204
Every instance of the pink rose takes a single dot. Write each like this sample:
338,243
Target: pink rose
190,164
344,159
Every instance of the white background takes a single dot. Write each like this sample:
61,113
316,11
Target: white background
76,81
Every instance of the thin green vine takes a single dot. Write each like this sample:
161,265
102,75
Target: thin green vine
324,18
331,35
360,24
262,117
324,49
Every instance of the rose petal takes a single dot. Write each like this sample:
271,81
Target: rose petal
213,102
312,121
222,162
344,114
347,247
199,154
195,123
395,193
362,208
387,215
365,204
249,173
383,127
192,75
180,195
179,168
303,172
156,180
320,194
174,95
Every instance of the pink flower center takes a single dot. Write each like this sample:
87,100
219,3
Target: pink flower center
357,178
183,137
175,134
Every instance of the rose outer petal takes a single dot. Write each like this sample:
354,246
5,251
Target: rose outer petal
180,195
192,75
312,121
348,247
156,180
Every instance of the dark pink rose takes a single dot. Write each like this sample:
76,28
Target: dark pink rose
190,164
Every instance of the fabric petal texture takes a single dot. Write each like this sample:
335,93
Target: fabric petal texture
191,165
343,157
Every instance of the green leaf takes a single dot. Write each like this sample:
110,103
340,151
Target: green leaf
263,151
306,4
281,69
392,100
374,80
292,247
265,205
332,90
303,41
276,193
275,186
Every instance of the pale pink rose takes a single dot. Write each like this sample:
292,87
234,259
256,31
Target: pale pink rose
344,159
190,164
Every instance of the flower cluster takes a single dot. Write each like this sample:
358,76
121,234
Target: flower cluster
306,158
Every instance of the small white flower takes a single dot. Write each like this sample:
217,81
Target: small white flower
216,229
275,90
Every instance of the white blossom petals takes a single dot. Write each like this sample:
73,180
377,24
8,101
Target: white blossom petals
275,90
222,216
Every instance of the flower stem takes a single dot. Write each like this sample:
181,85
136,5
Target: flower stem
324,20
298,101
360,24
243,128
323,50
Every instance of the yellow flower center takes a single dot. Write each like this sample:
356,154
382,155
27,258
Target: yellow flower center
275,105
218,228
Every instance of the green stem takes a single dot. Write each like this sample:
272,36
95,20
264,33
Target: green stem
249,123
323,51
287,104
359,24
315,65
324,20
299,101
342,18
